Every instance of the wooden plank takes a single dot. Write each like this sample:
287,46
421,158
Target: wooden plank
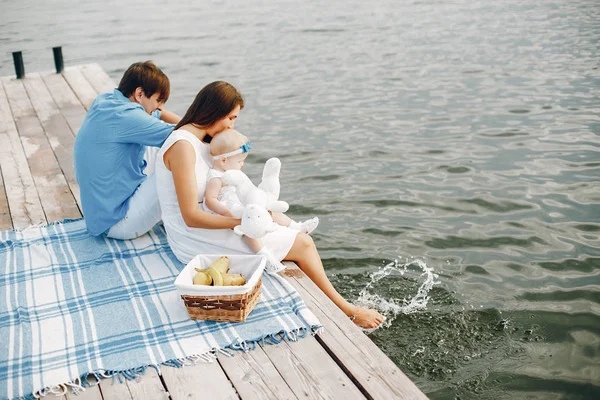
114,390
96,76
90,393
360,357
254,376
69,105
21,193
80,86
57,131
195,381
56,198
5,220
310,372
148,387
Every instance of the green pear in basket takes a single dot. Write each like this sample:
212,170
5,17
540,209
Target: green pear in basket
202,278
221,264
234,280
217,277
216,274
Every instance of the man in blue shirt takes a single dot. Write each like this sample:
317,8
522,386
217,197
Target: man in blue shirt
116,195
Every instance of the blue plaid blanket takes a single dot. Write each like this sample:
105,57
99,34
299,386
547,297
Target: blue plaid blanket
72,305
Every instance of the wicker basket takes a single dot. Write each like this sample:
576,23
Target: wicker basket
222,303
228,308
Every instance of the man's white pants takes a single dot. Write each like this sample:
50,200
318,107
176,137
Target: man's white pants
144,209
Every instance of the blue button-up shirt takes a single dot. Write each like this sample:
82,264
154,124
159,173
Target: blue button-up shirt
109,156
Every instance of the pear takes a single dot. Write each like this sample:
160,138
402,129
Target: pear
217,277
234,280
216,274
202,278
221,264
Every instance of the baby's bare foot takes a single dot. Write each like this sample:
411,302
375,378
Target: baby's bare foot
366,318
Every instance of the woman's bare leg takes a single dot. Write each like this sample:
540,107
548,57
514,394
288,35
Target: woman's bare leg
305,254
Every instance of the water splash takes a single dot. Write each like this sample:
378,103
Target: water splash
392,307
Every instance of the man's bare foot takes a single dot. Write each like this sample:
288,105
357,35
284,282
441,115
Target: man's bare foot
366,318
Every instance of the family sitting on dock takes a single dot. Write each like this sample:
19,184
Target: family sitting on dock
122,198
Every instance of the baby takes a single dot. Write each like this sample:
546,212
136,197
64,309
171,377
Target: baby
229,149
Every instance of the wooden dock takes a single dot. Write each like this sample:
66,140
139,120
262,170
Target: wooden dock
39,118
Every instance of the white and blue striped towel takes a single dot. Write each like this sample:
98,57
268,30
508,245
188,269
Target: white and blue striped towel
72,305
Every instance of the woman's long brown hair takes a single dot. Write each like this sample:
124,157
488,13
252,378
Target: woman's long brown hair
214,102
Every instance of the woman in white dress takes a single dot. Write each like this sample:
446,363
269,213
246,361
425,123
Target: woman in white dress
182,167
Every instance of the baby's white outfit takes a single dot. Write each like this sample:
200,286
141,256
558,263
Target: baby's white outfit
227,194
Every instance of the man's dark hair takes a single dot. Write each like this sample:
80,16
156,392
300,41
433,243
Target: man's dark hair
147,76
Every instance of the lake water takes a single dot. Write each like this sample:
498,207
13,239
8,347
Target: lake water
455,142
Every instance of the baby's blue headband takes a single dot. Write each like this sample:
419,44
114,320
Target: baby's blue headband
243,149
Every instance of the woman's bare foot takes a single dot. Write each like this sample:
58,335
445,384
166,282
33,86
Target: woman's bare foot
366,318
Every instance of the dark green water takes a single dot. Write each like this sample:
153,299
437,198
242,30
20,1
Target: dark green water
457,136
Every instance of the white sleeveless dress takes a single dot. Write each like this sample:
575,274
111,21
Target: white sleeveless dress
187,242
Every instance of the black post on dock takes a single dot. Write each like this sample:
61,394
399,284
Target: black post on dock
58,59
19,67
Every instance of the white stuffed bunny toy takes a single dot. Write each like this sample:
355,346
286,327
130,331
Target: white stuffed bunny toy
257,202
265,195
256,222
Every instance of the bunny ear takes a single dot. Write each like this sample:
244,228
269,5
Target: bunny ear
278,206
272,167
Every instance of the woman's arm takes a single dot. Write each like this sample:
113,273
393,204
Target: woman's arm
211,197
169,117
181,160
